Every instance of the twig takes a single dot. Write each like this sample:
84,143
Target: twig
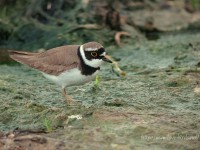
85,26
116,68
118,36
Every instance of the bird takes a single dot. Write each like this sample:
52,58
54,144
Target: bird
68,65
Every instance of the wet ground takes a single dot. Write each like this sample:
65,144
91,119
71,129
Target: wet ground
156,106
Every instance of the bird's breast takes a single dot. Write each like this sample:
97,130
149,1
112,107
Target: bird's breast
70,78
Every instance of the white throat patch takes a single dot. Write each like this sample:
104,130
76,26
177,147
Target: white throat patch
92,63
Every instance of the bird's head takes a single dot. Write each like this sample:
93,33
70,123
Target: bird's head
93,54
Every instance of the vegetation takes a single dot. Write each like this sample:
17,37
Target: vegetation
155,106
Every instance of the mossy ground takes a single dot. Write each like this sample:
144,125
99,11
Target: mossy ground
155,106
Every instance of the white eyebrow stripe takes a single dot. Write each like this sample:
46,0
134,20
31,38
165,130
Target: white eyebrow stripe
103,54
90,49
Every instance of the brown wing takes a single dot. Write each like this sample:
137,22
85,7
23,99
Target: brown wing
53,61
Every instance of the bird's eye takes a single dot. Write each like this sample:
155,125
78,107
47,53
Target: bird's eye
94,54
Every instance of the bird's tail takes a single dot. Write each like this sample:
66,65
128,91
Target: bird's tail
21,57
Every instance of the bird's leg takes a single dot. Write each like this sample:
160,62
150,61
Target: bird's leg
68,99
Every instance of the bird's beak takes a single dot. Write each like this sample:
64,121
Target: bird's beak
107,59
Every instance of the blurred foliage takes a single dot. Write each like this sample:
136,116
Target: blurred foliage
46,24
195,4
35,24
47,125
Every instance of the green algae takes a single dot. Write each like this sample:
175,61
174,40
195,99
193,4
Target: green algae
153,107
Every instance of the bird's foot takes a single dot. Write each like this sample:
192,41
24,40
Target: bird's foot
69,101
